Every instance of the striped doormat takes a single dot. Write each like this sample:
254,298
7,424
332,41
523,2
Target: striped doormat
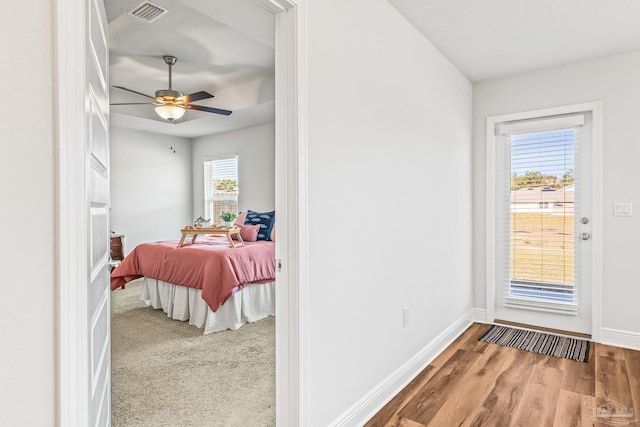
538,342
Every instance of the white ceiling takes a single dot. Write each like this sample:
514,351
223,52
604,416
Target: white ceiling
223,44
232,54
486,39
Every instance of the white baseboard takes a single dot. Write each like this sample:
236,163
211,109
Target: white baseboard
479,315
626,339
372,402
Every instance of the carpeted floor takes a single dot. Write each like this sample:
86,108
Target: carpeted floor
166,373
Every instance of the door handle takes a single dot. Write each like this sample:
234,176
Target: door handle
585,236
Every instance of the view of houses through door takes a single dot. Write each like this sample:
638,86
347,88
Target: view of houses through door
543,220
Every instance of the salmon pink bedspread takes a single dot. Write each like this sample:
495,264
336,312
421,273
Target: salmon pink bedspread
209,264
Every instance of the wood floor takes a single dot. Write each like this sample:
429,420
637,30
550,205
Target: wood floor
473,383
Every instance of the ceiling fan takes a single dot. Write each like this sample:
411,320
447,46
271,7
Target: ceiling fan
171,104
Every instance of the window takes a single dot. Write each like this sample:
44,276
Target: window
220,186
536,213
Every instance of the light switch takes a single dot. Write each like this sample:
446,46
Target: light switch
622,209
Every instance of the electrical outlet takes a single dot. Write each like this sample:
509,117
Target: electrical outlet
405,316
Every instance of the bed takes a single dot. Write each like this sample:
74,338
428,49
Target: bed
207,283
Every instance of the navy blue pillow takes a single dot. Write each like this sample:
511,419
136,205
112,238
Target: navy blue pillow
266,221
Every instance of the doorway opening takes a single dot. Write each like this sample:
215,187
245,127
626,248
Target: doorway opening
74,352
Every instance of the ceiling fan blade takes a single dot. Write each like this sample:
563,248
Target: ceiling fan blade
208,109
133,91
132,103
197,96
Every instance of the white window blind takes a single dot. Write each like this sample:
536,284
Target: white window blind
220,186
536,215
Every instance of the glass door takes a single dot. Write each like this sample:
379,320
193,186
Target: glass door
542,223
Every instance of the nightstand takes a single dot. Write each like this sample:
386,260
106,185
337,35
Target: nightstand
117,250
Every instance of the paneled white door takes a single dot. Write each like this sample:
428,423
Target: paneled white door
97,215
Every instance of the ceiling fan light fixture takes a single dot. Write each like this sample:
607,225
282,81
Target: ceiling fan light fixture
170,112
171,104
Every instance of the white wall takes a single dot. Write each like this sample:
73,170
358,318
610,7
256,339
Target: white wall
615,82
255,147
27,186
389,199
150,185
387,115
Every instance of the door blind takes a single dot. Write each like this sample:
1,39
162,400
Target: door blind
537,214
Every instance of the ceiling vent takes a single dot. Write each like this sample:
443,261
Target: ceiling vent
148,12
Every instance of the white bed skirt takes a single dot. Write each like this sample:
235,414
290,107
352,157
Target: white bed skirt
248,305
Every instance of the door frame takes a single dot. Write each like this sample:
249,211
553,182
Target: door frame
596,194
291,203
292,206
